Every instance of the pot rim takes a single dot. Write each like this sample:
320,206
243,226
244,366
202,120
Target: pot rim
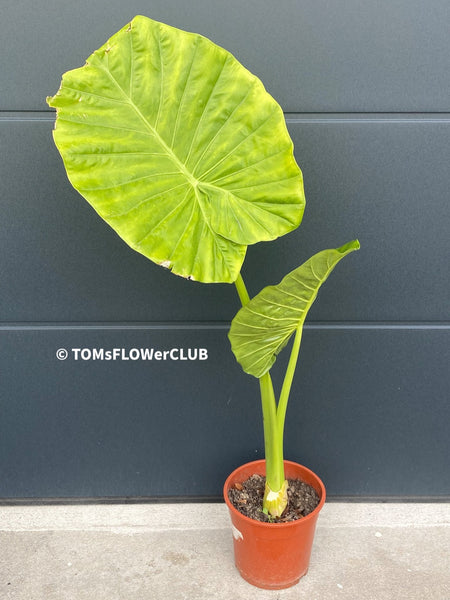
290,524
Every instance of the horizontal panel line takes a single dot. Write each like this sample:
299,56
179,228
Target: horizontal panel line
108,500
366,119
291,118
193,326
24,116
187,499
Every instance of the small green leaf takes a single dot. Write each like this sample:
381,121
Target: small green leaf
262,328
179,148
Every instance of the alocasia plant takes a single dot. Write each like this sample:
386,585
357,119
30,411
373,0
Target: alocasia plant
187,157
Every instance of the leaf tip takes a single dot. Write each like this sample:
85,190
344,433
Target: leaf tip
353,245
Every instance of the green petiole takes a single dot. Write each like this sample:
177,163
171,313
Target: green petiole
275,496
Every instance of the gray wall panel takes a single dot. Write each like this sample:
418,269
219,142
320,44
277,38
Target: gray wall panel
384,181
362,413
365,87
313,55
99,428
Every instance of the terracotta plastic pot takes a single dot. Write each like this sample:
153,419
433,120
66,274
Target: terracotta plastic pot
273,555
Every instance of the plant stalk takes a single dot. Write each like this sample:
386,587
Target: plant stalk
287,382
272,446
275,496
241,290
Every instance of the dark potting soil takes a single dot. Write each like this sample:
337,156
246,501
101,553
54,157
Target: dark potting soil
247,498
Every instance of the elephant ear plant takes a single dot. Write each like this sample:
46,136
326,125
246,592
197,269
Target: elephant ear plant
185,155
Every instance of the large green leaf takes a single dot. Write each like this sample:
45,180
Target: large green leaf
179,148
262,328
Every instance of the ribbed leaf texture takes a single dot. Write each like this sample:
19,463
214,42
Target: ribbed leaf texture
179,148
262,328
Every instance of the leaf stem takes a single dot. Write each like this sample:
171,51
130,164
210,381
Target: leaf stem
273,437
287,382
273,443
242,290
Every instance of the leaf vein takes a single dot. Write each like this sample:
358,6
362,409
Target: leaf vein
198,126
169,214
183,93
246,138
148,199
122,183
220,129
236,171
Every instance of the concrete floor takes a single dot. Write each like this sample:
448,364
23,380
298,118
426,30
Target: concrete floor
184,552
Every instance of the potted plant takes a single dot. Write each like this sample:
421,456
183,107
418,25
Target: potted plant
187,157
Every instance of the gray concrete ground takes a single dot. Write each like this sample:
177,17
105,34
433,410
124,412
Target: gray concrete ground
184,552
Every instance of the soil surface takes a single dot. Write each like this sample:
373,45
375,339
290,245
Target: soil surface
247,498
